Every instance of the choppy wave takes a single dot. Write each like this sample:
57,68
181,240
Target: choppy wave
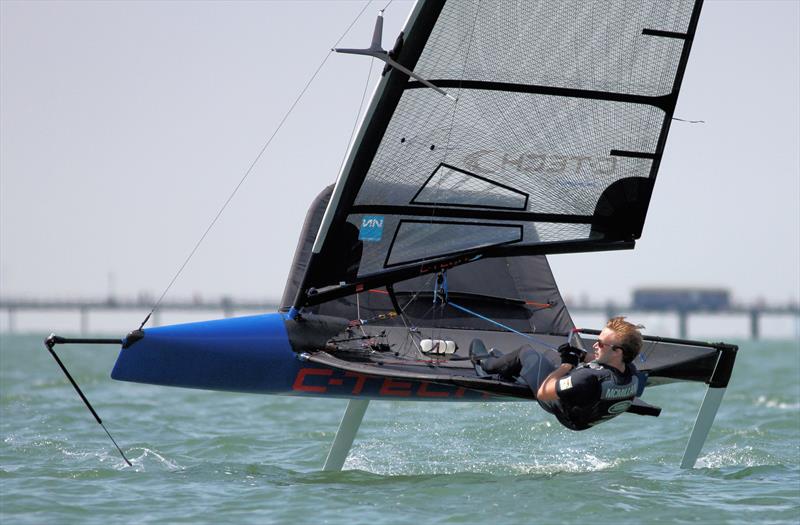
222,458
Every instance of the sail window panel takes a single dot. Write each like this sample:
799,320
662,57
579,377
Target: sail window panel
554,149
449,186
407,239
561,232
592,45
419,240
392,240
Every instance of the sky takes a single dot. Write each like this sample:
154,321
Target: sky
125,126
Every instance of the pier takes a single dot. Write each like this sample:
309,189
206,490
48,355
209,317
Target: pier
225,305
754,314
229,307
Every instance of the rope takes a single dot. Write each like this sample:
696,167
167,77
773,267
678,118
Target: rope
252,165
501,325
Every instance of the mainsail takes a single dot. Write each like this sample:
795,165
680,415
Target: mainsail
553,143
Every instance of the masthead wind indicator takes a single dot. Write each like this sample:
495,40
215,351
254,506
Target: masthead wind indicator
376,50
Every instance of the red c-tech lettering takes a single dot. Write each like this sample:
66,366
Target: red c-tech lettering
390,386
301,377
424,392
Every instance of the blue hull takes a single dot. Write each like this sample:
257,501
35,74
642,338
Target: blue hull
254,355
244,354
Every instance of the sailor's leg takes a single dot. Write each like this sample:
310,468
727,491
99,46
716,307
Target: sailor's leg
535,366
508,365
351,420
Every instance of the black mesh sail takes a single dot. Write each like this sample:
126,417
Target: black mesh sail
552,143
518,292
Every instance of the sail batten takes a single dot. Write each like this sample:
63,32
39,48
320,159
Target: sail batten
659,101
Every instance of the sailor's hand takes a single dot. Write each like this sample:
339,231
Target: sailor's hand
570,355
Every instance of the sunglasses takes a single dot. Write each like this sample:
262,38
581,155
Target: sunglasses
601,344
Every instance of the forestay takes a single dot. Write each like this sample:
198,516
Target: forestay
552,145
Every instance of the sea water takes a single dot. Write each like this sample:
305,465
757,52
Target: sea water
208,457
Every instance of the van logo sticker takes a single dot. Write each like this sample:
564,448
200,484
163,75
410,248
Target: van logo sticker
371,228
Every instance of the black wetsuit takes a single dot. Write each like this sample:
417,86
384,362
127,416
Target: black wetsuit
588,395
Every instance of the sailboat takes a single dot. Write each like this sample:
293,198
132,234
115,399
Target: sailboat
500,132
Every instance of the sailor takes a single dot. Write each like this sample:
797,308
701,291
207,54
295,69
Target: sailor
587,388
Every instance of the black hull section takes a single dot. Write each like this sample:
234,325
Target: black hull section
385,353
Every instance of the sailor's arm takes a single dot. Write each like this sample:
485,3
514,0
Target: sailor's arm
570,357
547,390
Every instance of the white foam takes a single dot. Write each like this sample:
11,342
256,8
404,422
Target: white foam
728,457
139,461
773,403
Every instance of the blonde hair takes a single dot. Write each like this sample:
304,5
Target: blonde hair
630,339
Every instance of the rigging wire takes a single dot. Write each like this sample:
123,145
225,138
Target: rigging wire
434,331
410,334
501,325
344,157
409,330
461,82
252,164
412,330
358,115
